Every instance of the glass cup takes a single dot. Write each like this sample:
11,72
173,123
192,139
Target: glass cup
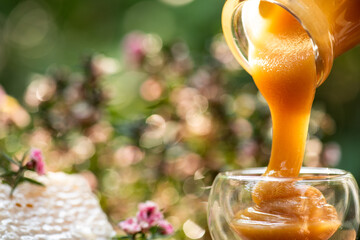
232,192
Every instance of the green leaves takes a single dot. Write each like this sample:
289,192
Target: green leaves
152,234
15,177
123,238
10,160
32,181
137,236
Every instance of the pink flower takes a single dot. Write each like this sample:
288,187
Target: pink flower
149,215
165,227
130,226
40,167
134,48
36,154
36,162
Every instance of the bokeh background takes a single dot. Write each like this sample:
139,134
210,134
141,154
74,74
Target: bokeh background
144,99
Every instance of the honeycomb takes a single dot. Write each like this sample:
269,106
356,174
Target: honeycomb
64,209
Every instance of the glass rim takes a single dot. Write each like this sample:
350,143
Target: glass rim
310,174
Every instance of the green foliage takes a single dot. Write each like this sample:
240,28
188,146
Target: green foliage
15,177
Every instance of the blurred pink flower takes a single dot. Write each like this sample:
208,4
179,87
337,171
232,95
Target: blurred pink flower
331,155
36,154
134,48
130,226
165,227
149,215
36,162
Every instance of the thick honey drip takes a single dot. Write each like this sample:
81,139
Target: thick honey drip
283,67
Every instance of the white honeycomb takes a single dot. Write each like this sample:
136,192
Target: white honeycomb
64,209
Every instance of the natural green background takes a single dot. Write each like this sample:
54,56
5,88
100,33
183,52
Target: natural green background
37,35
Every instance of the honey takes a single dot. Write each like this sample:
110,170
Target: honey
284,64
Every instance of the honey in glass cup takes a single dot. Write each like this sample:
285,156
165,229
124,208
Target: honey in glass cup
232,192
289,47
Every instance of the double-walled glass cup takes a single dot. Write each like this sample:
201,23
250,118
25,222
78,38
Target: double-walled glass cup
333,26
232,192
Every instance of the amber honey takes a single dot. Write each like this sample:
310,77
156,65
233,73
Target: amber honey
283,61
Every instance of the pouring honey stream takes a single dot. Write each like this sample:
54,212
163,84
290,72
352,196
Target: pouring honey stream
289,57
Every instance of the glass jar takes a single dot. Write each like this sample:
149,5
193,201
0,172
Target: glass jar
333,26
232,192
